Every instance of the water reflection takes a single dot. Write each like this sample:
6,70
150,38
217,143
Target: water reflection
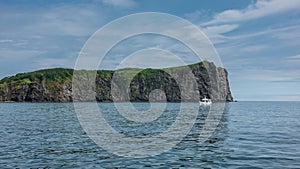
190,152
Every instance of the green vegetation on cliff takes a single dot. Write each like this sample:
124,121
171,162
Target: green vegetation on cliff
65,75
50,77
56,74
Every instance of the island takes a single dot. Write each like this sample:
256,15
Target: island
55,85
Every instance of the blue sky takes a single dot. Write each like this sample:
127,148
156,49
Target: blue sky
258,41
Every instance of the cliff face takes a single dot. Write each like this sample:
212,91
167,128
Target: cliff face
55,85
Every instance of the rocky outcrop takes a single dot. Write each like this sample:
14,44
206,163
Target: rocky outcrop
55,85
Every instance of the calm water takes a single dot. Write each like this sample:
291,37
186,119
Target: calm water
250,135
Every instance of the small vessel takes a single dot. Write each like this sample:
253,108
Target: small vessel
205,102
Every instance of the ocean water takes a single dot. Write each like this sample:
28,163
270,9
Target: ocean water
249,135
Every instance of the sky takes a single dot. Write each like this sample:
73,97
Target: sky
257,41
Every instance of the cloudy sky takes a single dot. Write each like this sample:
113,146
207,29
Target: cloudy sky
258,41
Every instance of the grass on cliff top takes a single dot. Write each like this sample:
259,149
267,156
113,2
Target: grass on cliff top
65,75
56,74
126,72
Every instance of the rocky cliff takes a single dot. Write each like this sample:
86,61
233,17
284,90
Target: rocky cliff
55,85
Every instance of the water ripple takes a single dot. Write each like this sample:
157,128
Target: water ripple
250,135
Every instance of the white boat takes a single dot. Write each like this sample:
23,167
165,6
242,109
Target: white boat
205,102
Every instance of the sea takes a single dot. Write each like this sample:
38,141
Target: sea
245,135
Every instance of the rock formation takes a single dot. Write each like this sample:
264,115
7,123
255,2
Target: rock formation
55,85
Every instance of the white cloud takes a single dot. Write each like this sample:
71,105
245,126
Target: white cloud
214,33
44,63
293,61
6,41
152,58
247,48
69,20
61,20
267,75
129,46
28,36
120,3
279,33
199,15
254,48
294,57
220,29
18,54
256,10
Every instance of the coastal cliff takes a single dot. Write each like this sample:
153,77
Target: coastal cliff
55,85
